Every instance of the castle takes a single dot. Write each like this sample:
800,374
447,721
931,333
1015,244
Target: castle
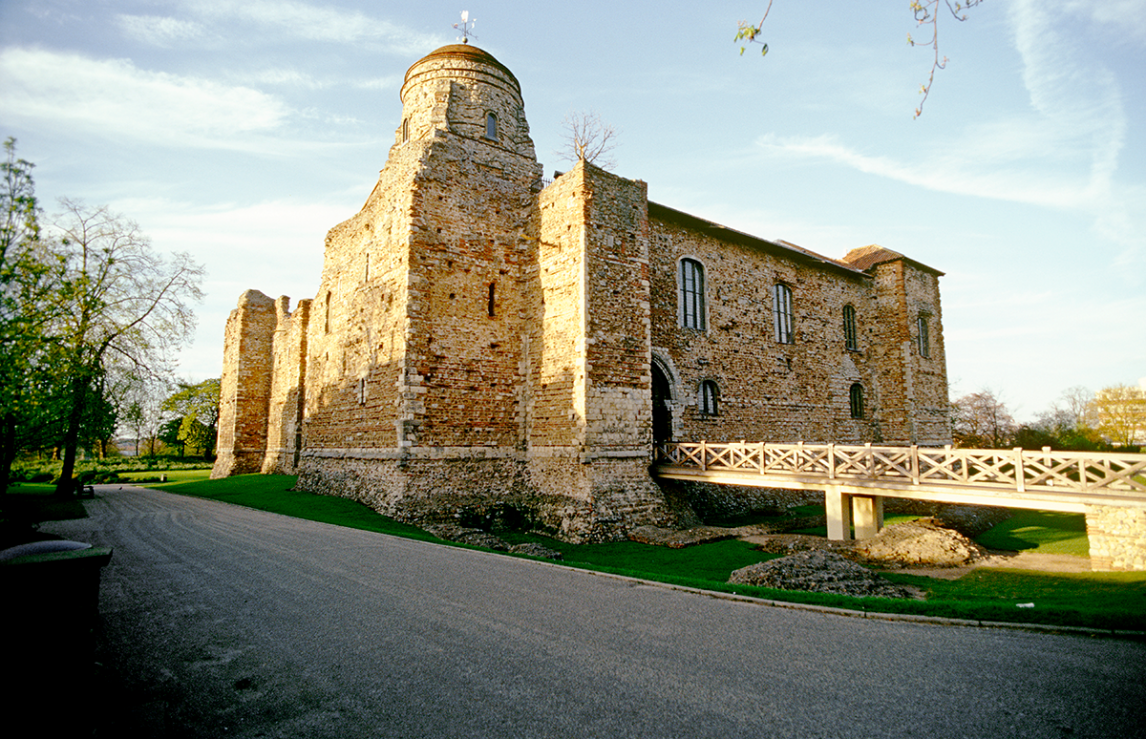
483,338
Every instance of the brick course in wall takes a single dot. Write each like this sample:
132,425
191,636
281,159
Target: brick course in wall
478,340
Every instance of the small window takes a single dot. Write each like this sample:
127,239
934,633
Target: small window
850,328
491,126
326,317
924,335
405,130
855,397
709,398
361,391
492,298
692,294
782,314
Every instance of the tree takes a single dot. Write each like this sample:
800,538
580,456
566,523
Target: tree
119,305
28,275
196,407
982,421
926,13
1121,411
141,411
588,139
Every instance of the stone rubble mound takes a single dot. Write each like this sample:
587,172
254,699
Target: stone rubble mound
820,572
678,538
479,538
533,549
921,542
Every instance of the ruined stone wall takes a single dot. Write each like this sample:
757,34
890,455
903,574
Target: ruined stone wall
244,388
768,391
288,388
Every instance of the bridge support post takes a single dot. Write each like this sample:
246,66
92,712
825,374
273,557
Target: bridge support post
838,508
867,511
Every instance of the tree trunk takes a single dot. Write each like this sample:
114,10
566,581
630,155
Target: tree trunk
65,488
7,449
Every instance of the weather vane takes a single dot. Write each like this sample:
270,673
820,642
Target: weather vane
466,26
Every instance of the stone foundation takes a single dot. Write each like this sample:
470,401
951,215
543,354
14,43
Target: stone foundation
1117,538
572,501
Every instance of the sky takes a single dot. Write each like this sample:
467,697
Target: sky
241,132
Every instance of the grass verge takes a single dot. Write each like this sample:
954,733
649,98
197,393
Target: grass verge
1095,600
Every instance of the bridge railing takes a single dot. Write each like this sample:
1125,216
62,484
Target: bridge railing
1005,469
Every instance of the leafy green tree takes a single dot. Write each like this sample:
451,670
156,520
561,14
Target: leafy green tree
197,409
28,275
119,305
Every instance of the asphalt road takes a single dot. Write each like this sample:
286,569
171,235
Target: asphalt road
221,621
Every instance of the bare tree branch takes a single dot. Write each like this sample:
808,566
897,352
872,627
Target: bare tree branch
589,139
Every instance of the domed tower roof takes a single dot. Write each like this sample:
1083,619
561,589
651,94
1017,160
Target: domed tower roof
458,58
464,91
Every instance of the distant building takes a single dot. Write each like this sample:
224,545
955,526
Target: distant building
481,338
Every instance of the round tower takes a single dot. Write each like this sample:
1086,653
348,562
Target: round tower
463,90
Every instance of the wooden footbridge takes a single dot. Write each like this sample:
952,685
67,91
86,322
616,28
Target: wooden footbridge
856,479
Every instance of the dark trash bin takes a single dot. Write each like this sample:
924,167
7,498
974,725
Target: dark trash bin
49,605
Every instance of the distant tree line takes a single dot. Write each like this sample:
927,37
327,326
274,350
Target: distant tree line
1112,418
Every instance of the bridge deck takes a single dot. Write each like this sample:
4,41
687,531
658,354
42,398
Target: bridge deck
856,478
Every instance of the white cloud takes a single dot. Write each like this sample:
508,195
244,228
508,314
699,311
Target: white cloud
1127,17
115,98
943,173
319,23
160,30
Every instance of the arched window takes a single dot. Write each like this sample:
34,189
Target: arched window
850,339
924,335
855,398
709,398
405,130
782,314
692,294
491,126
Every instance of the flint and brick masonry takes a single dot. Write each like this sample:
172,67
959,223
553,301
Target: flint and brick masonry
483,340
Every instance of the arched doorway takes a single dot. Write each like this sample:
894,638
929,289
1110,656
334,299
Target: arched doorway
662,410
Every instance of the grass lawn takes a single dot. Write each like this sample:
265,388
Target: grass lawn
1099,600
1046,532
151,477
